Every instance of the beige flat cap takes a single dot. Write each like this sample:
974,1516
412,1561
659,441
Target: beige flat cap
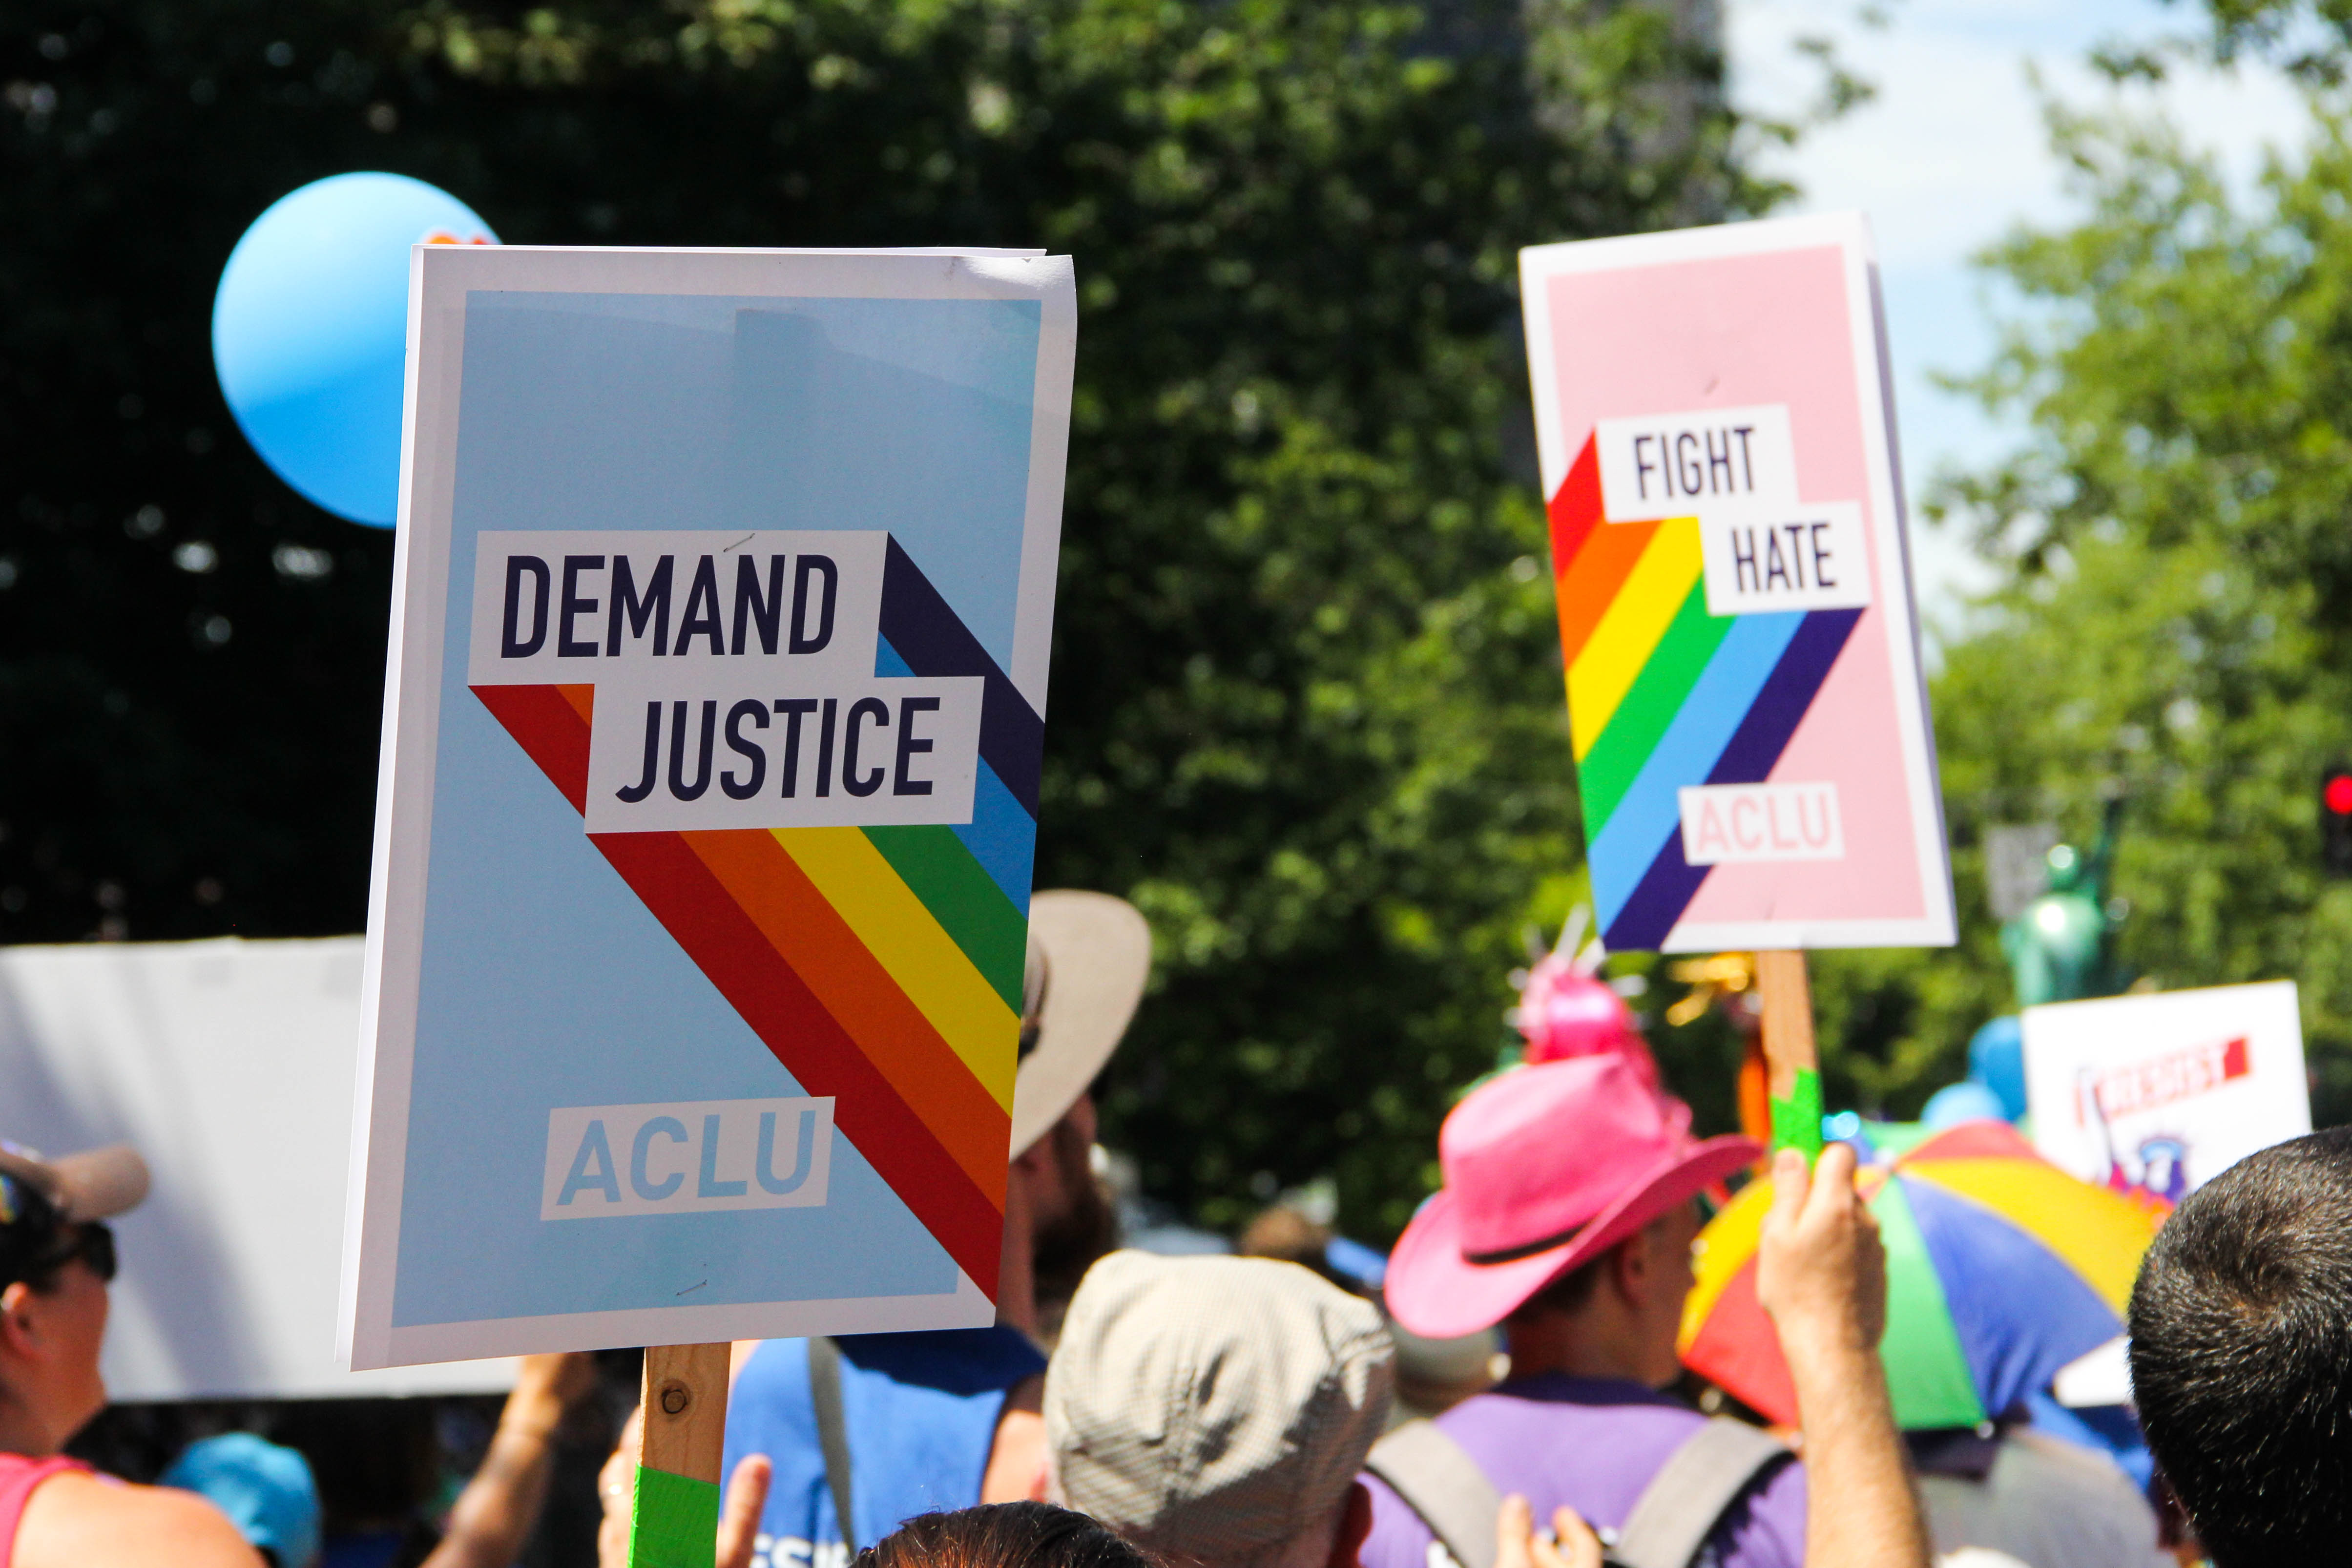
1214,1409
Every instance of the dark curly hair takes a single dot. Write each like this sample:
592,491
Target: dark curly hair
2242,1356
1004,1535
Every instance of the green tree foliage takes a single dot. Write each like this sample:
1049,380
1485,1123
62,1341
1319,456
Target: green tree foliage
2309,37
2180,611
1305,697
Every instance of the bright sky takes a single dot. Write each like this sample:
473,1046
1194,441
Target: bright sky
1951,154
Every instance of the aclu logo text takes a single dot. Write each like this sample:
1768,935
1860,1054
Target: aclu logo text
1729,823
688,1157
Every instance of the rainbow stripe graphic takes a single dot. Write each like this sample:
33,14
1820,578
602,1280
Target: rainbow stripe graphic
1662,695
882,965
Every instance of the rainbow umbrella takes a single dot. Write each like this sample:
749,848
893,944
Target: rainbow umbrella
2001,1268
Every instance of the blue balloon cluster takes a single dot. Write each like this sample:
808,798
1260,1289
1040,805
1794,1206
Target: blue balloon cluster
1994,1089
1997,1060
310,332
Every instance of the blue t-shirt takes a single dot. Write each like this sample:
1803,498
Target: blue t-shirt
919,1412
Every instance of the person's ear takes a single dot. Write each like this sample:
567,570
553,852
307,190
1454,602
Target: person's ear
1645,1261
1628,1267
18,1327
1355,1528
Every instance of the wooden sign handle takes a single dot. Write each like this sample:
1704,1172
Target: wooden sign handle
674,1518
1793,1072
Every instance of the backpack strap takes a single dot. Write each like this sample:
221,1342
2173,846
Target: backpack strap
1670,1522
1443,1484
833,1432
1692,1490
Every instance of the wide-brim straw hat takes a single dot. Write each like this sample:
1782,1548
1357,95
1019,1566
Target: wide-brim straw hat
1090,958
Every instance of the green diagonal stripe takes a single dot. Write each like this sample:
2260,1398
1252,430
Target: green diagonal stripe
1926,1371
674,1521
964,899
1650,705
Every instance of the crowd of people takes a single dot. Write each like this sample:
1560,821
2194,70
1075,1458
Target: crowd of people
1132,1409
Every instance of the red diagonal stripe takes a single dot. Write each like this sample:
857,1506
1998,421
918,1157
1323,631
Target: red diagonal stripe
1590,556
755,874
1575,506
761,986
550,730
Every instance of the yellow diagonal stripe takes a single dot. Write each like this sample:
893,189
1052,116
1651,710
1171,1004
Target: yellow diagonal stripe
909,944
1630,629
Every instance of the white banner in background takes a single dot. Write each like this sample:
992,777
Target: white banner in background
228,1064
2160,1093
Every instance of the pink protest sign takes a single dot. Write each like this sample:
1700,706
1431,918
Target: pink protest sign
1745,702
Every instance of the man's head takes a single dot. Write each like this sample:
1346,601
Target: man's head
1071,1222
2242,1356
56,1258
1626,1304
1216,1410
1004,1535
1569,1190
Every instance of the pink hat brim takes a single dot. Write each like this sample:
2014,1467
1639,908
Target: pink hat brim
1436,1292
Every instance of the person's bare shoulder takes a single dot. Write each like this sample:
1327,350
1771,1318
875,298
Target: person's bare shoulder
77,1521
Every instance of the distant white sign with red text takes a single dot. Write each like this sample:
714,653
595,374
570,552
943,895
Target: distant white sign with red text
2160,1093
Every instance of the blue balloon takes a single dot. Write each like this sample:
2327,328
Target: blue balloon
1997,1060
1963,1101
310,332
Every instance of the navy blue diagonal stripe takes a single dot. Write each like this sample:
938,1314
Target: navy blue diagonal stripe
933,640
1657,900
1667,888
1756,746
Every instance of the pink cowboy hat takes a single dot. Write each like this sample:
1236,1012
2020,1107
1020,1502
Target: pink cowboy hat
1545,1168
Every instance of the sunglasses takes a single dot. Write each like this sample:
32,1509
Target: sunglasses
92,1243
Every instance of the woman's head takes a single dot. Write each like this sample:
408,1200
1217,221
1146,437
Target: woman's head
38,1242
1004,1535
53,1308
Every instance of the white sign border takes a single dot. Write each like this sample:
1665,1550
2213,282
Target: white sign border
1938,926
440,278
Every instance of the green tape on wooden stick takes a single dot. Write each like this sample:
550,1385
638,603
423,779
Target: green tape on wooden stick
1797,1118
673,1521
